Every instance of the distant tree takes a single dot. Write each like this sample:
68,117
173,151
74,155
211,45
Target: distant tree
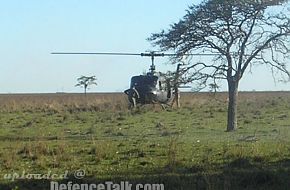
86,81
242,33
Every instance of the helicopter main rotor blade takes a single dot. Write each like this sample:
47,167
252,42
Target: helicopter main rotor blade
193,54
94,53
150,54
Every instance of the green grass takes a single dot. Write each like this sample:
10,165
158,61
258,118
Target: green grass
184,149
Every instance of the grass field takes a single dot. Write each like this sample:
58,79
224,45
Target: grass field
185,148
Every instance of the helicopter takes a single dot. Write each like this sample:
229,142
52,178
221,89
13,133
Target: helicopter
150,88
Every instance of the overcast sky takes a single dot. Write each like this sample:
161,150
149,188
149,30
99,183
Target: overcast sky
32,29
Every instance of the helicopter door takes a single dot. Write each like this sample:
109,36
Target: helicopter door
162,91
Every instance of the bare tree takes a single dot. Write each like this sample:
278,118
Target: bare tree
86,81
176,84
175,81
242,33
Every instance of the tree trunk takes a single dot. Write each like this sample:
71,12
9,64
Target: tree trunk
232,104
178,99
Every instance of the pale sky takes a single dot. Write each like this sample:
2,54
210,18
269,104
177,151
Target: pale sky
32,29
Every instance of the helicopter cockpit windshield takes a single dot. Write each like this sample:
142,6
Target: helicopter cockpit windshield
144,82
